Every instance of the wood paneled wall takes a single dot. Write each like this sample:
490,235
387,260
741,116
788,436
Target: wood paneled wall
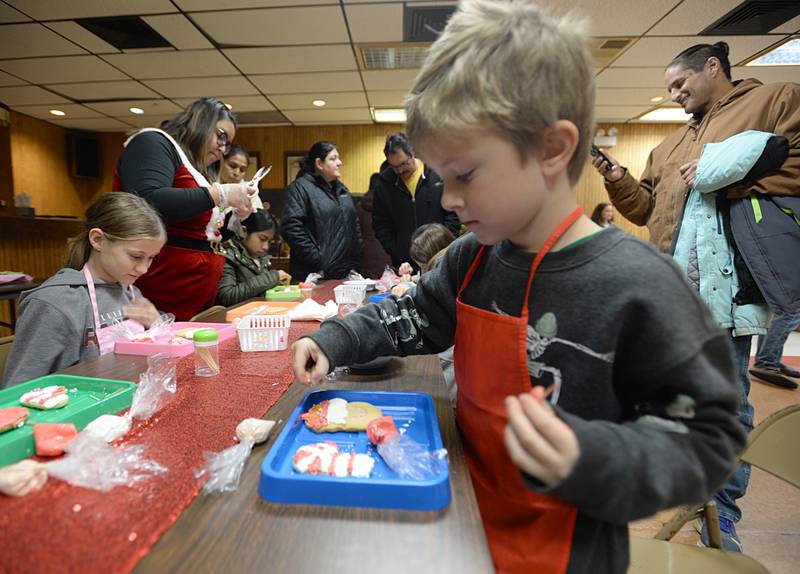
40,167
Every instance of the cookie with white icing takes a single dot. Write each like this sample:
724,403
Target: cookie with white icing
336,415
46,399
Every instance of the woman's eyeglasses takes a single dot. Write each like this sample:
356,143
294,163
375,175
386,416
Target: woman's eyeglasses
223,141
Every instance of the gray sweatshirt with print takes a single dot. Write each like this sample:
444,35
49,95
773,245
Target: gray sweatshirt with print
56,325
645,378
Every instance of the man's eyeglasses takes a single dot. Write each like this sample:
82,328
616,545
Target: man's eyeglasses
223,141
409,162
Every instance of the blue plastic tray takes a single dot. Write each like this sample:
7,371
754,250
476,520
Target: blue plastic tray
379,296
384,489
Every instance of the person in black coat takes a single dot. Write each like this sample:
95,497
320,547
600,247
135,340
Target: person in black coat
408,194
319,218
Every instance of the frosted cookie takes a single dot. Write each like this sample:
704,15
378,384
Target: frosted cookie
52,439
337,415
12,417
325,458
187,333
46,399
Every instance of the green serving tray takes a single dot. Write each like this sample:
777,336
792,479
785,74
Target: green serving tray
88,399
284,293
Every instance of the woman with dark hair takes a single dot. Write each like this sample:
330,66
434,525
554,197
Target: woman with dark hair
603,214
169,168
319,218
247,273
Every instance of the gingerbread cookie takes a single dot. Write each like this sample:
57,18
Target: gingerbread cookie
46,399
12,417
336,415
325,458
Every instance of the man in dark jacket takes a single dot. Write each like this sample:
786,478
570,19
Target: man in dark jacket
408,194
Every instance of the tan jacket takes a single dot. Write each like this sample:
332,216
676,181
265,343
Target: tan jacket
657,199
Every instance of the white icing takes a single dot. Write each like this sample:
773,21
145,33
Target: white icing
108,427
333,462
340,464
322,451
362,466
337,412
39,397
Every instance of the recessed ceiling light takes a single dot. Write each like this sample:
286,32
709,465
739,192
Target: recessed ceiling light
58,113
319,103
389,115
787,54
675,115
137,111
230,107
656,99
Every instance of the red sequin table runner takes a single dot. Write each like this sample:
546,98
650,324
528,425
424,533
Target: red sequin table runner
68,529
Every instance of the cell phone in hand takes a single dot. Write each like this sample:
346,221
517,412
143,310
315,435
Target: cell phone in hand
597,153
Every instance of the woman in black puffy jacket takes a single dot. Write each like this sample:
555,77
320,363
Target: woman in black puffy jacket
319,218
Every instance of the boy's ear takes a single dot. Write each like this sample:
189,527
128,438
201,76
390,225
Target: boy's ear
558,146
96,238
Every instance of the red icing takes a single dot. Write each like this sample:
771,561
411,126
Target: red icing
40,396
52,439
12,417
381,428
316,418
316,466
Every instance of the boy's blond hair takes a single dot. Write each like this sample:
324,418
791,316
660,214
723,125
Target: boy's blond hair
509,67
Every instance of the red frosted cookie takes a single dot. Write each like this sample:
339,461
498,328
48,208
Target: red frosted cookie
51,440
47,398
12,418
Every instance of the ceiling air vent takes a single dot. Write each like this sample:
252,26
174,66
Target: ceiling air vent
425,23
754,17
125,33
606,50
253,118
397,57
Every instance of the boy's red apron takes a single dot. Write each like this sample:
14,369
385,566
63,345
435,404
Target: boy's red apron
527,532
182,281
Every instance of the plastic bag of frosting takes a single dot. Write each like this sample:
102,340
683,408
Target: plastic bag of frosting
401,453
223,469
156,386
90,462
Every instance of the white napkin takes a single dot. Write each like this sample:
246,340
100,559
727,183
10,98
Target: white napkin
310,310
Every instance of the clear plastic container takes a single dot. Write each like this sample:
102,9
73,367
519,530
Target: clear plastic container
264,332
349,297
206,353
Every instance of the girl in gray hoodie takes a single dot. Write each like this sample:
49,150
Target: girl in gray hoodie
66,320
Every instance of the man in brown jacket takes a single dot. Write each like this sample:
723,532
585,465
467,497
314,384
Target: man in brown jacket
699,80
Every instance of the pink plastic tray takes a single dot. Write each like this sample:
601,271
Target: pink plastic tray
226,331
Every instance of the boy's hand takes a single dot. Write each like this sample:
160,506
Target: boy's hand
142,311
405,268
284,278
309,362
539,442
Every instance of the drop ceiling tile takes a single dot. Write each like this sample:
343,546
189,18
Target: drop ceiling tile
238,103
31,40
198,87
375,22
660,51
62,70
73,111
94,124
49,10
146,121
29,96
121,109
329,58
9,80
619,113
628,96
789,27
188,64
8,14
179,31
81,36
192,5
631,78
307,83
692,17
332,100
620,17
92,91
767,74
393,99
323,115
389,79
275,26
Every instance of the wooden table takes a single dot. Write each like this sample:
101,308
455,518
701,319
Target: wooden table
240,532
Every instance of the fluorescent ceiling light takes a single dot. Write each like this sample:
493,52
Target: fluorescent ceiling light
58,113
656,99
137,111
675,115
389,115
787,54
319,103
